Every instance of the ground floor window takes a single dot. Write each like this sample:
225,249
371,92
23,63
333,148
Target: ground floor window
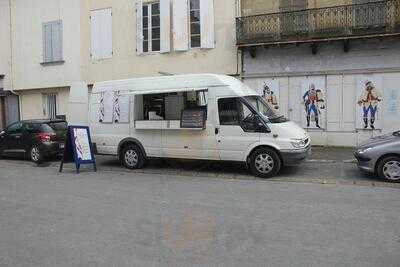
50,105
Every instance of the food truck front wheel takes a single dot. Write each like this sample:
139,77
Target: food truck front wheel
132,157
265,162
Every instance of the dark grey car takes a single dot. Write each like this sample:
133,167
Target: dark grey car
381,156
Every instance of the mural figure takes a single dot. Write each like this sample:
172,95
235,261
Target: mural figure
369,101
314,102
270,97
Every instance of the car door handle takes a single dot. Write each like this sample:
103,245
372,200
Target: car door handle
17,136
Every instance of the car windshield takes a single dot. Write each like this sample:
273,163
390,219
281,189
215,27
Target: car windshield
258,103
397,133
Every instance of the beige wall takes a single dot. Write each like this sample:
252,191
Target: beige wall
125,63
5,50
27,19
252,7
32,102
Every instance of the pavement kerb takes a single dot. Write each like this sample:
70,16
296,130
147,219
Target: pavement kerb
218,175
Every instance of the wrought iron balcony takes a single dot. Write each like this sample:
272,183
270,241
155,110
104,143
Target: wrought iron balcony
321,24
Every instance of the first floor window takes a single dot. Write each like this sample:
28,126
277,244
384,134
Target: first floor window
52,41
195,38
151,27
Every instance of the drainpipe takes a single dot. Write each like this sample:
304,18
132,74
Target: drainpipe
11,60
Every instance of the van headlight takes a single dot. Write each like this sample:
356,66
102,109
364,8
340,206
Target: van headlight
299,143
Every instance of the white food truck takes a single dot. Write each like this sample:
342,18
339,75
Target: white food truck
203,116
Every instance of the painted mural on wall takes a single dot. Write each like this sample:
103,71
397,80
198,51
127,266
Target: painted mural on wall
369,102
314,104
268,89
270,93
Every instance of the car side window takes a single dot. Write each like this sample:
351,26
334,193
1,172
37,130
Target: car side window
228,111
15,128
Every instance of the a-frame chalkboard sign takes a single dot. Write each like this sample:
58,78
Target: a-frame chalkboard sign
78,148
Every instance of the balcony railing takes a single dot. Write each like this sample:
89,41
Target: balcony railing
312,25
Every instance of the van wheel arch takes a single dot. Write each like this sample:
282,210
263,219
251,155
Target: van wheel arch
130,141
263,146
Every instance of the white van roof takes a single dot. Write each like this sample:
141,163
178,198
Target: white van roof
165,84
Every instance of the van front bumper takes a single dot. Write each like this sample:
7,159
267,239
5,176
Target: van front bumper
295,157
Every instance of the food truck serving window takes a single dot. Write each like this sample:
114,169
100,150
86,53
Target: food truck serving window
173,106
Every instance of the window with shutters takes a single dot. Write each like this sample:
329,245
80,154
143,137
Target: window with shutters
151,27
195,32
52,41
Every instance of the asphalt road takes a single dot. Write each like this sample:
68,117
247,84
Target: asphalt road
120,218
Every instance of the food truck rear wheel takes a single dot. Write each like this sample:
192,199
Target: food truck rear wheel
265,163
132,157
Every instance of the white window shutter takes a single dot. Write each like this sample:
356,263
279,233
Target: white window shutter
57,40
165,26
181,25
207,24
139,27
47,49
106,28
101,33
94,35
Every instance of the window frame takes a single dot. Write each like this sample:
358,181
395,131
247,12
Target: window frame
194,22
240,101
219,116
59,26
45,102
150,27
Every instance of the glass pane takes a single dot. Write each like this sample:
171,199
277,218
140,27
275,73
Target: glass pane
245,112
155,9
195,41
145,11
194,16
155,33
145,34
228,111
194,4
59,126
14,128
145,22
145,46
155,45
155,21
195,28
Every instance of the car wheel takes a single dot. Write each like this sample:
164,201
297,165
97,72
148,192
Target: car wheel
265,163
132,157
35,154
389,169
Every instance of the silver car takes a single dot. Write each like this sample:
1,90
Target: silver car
381,156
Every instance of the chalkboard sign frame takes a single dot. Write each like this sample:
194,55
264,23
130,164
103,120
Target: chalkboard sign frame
70,151
203,122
